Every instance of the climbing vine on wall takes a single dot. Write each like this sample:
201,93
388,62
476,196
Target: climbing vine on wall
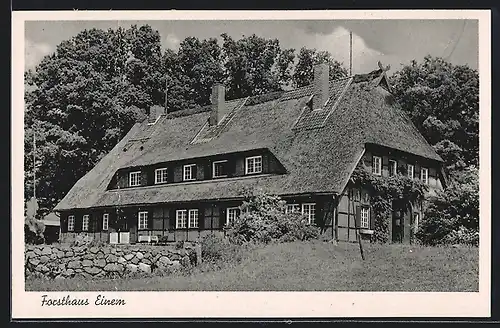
397,192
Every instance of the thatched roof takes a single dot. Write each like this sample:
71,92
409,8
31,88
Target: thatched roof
318,157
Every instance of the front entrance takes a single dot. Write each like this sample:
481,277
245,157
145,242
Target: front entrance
397,227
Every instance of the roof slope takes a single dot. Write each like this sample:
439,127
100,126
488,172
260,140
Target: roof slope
317,160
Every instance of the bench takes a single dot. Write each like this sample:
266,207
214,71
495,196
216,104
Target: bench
148,239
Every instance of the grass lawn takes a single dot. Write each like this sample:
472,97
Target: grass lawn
312,266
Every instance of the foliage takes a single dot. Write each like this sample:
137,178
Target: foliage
263,220
397,192
307,58
442,100
33,227
453,215
83,240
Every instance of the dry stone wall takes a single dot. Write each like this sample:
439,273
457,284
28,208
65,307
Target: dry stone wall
94,262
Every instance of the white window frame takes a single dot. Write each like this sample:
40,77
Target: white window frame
310,217
188,168
393,167
138,178
412,175
71,223
161,172
105,222
85,222
293,208
364,221
213,169
193,218
230,210
142,220
375,167
250,165
181,219
424,177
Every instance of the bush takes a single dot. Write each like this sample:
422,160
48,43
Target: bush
81,240
463,236
215,248
263,220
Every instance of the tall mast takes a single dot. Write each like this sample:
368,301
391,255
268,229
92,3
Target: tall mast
34,164
350,53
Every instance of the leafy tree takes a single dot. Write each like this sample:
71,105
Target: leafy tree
255,65
307,58
442,100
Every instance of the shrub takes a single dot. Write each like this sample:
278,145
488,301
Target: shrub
264,220
219,251
463,236
81,240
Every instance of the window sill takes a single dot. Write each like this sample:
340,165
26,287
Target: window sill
366,231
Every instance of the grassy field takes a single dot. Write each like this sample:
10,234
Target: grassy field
312,266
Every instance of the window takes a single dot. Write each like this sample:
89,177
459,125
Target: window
393,168
424,175
193,218
219,169
189,172
143,220
180,219
292,208
71,223
365,218
232,214
377,165
411,170
161,175
416,221
85,223
105,221
253,164
309,211
134,179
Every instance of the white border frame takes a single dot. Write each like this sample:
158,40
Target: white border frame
254,304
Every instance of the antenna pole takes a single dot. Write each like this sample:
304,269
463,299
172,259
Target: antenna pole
350,52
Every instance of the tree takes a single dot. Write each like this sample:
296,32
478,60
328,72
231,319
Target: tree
307,58
254,65
443,102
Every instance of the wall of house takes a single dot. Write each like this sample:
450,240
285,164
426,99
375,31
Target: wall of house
204,168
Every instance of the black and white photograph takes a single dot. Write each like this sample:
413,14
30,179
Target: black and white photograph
336,154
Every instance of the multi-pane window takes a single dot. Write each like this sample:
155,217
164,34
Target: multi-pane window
193,218
134,179
85,223
219,169
71,223
105,221
292,208
253,164
377,165
180,219
309,211
424,175
232,214
393,167
365,218
189,172
161,175
411,171
143,220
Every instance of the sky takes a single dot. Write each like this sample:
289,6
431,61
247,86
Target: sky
393,42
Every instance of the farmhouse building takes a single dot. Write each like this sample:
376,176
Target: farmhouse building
181,175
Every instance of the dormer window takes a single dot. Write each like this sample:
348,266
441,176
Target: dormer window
134,179
253,165
377,165
161,175
219,169
189,172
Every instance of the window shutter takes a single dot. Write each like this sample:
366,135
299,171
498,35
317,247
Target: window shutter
194,172
201,218
171,219
358,216
222,217
265,163
64,224
231,167
150,219
372,219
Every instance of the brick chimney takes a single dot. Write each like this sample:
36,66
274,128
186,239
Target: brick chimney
320,86
217,99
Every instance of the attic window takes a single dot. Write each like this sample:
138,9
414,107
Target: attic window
189,172
219,169
161,175
377,165
134,179
253,165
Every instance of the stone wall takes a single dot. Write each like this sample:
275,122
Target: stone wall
64,261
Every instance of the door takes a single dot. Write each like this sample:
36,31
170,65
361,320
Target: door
397,227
